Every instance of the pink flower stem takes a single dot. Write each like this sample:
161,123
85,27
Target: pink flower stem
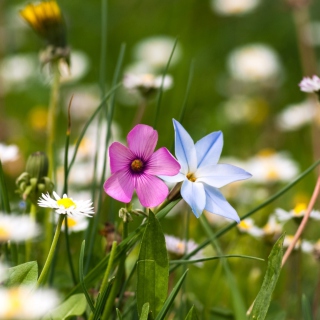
303,222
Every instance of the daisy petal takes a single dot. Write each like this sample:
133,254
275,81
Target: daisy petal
120,186
193,193
151,190
177,178
220,175
162,162
216,203
142,140
184,149
120,157
209,149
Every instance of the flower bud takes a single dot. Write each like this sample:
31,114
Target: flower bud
37,165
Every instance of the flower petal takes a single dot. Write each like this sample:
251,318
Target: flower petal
177,178
120,186
184,149
209,149
120,157
216,203
193,193
151,190
142,140
162,162
220,174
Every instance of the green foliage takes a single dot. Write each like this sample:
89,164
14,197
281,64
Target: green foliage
24,274
192,315
74,306
262,301
152,268
306,310
145,312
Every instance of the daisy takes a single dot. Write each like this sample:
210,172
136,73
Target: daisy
310,84
248,226
75,223
233,7
297,212
66,205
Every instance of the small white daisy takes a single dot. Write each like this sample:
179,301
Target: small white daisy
310,84
248,226
297,212
75,223
233,7
24,303
66,205
8,153
306,246
17,228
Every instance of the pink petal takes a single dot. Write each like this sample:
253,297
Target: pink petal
120,157
162,162
151,190
120,186
142,140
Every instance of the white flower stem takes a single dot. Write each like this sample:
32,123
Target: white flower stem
45,270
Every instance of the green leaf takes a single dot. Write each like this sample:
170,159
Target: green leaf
171,297
74,306
152,268
192,315
145,311
262,301
119,316
24,274
306,311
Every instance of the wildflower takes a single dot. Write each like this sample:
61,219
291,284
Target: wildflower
17,228
46,20
272,229
66,205
201,175
297,212
306,246
8,153
25,303
310,84
270,166
297,115
254,63
233,7
248,226
147,83
156,51
180,247
75,223
136,167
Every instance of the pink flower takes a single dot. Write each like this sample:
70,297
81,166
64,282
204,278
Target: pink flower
137,167
310,84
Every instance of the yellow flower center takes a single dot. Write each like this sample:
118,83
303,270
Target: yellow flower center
4,234
244,225
71,222
299,209
266,152
137,165
272,174
66,202
191,177
15,303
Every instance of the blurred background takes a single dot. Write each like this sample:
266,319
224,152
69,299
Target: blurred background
243,60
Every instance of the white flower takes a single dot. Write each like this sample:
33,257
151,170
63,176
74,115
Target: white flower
66,205
254,63
8,153
247,226
296,115
233,7
155,51
306,246
310,84
272,227
17,228
297,212
75,223
25,303
269,166
181,247
146,81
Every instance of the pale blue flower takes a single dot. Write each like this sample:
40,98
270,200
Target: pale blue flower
202,175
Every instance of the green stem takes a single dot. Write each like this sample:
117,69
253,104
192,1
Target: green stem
45,270
118,281
73,274
107,273
33,212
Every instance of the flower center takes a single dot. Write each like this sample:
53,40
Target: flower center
71,222
244,225
137,165
191,177
66,202
299,209
4,234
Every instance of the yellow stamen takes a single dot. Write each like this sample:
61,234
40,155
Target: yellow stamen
66,202
272,174
244,225
191,177
71,222
299,209
137,165
4,234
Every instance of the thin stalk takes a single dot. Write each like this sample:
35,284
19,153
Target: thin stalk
117,284
33,213
45,270
140,112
